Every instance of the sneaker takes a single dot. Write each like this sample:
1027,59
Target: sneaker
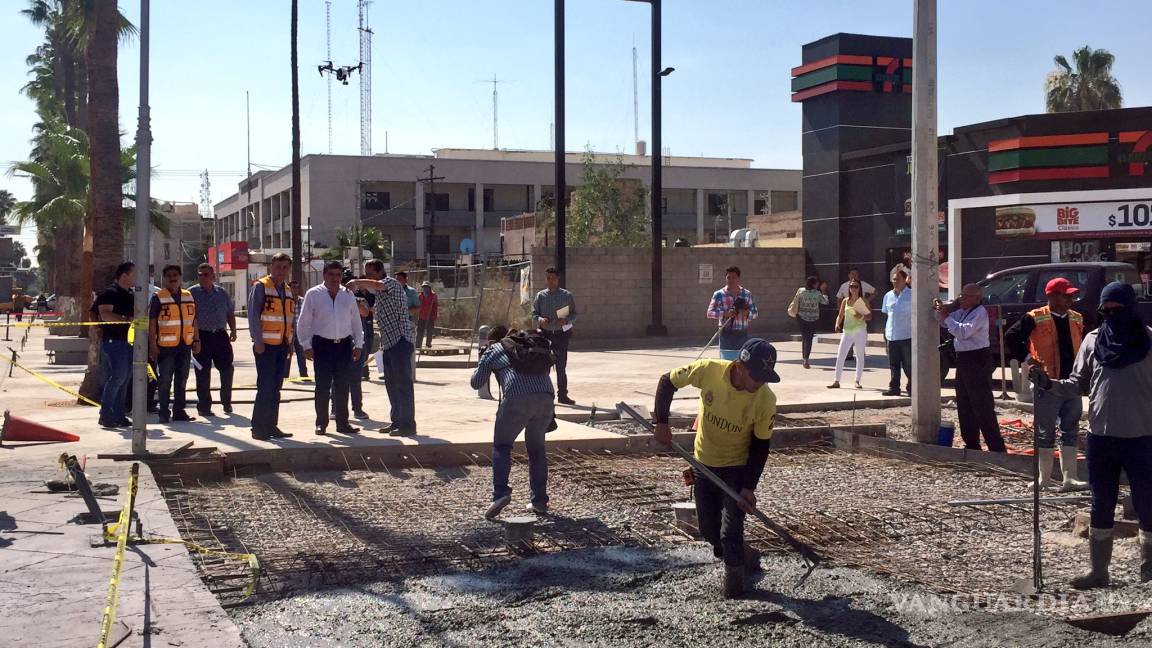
538,509
497,505
181,415
565,400
321,431
125,422
391,427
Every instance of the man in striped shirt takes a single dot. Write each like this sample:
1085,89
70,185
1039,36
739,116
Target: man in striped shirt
554,311
733,309
394,326
525,405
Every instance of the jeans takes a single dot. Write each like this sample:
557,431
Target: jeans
270,369
334,366
1107,456
530,413
899,358
731,343
559,340
301,361
398,383
215,350
356,379
849,340
807,332
173,363
975,405
116,367
721,520
424,332
1048,410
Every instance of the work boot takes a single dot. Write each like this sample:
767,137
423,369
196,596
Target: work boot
1100,555
1068,468
733,581
752,559
1146,556
1047,461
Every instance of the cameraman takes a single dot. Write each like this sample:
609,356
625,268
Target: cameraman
734,309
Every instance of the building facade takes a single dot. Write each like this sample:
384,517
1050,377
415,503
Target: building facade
186,243
704,198
1016,191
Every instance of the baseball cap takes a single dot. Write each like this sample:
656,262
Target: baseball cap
759,357
1060,286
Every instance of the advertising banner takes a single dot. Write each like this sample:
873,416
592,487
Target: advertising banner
1128,219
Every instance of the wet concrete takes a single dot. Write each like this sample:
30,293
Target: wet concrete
649,597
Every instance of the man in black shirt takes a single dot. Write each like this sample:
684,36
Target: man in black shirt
116,306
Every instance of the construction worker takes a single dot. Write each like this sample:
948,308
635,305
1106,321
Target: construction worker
271,311
216,325
1114,368
736,417
1050,337
172,339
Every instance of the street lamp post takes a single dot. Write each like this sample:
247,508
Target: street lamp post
143,246
558,145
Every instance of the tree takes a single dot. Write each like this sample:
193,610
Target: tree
1089,85
7,204
606,210
367,238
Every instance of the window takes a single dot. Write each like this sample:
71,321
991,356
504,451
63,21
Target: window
1078,278
784,201
1005,289
439,244
760,206
377,200
717,204
440,204
489,200
663,204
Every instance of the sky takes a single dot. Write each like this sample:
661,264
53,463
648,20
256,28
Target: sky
729,95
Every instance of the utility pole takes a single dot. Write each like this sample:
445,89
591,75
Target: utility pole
297,208
431,206
558,145
658,73
925,236
143,245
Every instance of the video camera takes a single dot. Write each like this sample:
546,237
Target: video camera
739,304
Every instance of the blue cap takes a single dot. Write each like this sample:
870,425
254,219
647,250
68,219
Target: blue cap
1119,292
759,358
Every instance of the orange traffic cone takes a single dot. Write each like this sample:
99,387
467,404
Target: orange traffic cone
18,428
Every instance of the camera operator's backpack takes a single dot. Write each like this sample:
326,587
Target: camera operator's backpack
529,352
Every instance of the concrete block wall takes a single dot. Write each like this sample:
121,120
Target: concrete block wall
612,287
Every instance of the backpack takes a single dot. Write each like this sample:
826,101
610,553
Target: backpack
529,352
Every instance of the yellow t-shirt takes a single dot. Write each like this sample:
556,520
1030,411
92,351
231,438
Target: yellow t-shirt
728,416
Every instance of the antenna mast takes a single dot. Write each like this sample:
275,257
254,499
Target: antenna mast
328,44
365,79
205,195
635,98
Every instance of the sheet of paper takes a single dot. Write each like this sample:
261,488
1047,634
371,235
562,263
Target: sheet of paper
567,327
562,313
861,307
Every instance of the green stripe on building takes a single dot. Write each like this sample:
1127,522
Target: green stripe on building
833,73
1048,157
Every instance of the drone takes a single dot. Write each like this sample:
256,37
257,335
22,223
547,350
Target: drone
343,73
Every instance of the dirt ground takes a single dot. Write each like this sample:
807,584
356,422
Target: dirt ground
649,597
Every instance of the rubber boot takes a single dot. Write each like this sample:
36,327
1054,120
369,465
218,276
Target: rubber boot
733,581
1068,469
1047,457
1146,556
1100,555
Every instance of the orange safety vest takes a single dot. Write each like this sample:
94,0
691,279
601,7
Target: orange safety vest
276,318
176,323
1044,341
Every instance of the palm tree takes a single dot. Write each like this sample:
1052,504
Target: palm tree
1088,86
366,238
7,204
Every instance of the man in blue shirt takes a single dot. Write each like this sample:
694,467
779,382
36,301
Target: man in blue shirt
216,319
898,332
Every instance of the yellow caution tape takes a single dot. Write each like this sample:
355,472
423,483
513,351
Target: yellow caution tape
117,562
41,377
51,324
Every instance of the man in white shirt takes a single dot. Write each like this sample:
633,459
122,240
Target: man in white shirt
332,336
866,289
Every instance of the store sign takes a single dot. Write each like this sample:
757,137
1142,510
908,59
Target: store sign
1075,220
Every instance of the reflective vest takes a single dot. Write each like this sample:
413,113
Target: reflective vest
176,323
277,315
1044,342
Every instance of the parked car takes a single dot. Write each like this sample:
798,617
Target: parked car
1015,291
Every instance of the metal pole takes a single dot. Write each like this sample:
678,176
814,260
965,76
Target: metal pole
558,144
143,246
925,236
1003,370
657,325
7,326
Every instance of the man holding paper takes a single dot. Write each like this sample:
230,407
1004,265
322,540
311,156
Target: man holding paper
554,311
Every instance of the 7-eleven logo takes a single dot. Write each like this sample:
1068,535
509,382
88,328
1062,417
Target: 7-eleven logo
1138,157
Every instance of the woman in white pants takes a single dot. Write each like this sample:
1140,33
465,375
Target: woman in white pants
853,328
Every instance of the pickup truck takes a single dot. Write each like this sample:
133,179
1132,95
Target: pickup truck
1013,292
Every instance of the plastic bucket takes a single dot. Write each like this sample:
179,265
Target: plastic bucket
729,354
946,434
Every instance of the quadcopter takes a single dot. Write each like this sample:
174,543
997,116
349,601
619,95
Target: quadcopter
343,73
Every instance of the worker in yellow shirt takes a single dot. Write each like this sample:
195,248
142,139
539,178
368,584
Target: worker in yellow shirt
735,430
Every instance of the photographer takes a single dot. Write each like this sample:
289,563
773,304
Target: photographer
734,309
967,321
